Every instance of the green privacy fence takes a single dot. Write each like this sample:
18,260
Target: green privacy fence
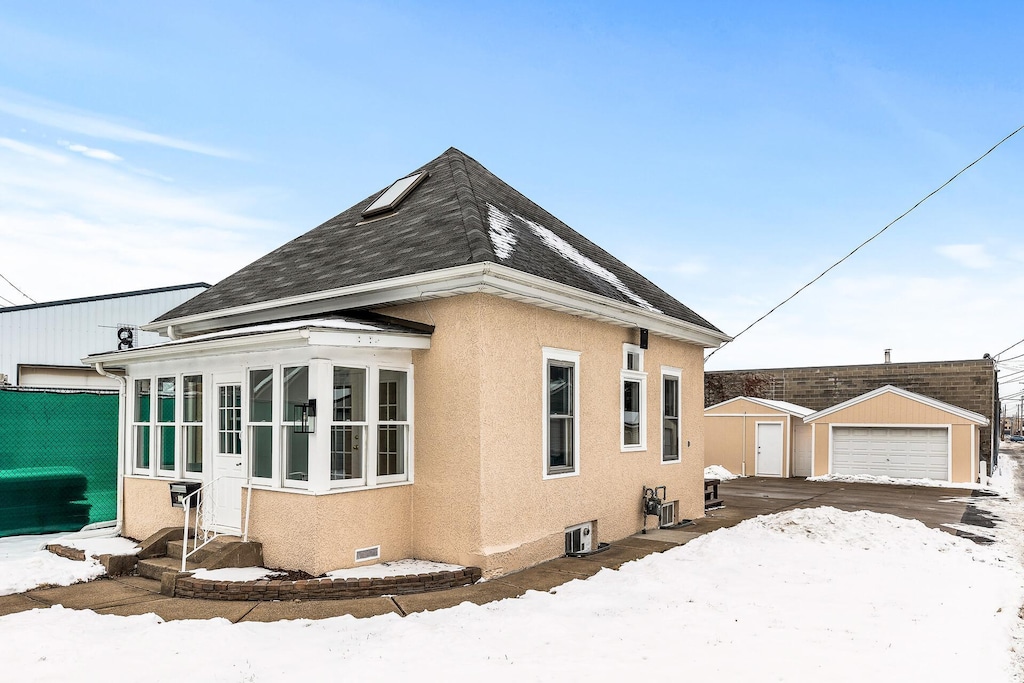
58,459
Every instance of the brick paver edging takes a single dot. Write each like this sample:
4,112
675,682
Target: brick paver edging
187,586
66,552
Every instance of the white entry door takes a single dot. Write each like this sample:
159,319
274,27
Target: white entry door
228,466
769,449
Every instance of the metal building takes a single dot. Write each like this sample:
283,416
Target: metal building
41,345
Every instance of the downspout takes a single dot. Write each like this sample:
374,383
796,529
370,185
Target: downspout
122,411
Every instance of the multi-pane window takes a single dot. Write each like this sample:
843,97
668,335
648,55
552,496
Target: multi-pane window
295,438
261,423
229,419
141,418
192,417
165,407
392,424
633,399
670,433
348,427
561,395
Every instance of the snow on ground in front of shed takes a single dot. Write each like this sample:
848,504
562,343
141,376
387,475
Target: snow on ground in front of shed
803,595
24,567
896,481
396,568
102,546
236,574
718,472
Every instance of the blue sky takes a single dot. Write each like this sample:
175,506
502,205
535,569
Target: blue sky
729,151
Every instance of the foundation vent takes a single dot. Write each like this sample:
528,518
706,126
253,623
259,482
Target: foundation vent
364,554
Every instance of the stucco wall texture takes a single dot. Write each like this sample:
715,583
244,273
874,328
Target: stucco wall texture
480,497
147,507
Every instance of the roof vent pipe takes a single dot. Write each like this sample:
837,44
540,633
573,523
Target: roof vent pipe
888,356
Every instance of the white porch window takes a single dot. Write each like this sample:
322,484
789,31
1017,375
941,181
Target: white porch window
295,388
633,395
166,418
392,426
229,419
141,420
671,434
261,425
192,422
561,426
348,427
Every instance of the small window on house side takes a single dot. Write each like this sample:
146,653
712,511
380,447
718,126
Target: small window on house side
561,395
192,417
165,413
671,437
393,426
296,443
633,397
142,418
261,429
348,427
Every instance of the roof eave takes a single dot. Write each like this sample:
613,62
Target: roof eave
486,277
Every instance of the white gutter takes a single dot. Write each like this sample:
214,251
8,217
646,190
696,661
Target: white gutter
122,416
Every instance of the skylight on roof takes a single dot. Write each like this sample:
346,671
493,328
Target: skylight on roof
390,198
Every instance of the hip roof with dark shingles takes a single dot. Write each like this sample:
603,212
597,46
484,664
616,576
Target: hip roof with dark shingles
447,221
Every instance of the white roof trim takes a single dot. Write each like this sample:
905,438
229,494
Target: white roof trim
910,395
486,277
294,333
781,406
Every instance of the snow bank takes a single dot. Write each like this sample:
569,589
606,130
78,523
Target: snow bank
881,479
236,574
804,595
24,567
718,472
396,568
102,546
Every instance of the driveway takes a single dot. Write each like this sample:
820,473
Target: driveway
936,507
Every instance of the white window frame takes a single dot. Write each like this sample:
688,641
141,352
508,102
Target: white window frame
274,424
377,423
136,423
677,375
185,425
640,377
567,357
174,427
287,423
363,425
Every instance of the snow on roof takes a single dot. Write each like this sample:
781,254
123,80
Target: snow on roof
502,234
784,406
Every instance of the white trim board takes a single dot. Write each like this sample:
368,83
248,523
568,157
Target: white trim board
909,395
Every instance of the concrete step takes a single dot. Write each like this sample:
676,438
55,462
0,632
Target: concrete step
155,567
174,548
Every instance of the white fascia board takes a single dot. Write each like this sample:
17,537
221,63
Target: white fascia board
488,277
909,395
765,404
259,342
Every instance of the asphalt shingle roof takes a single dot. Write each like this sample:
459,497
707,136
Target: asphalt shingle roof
461,214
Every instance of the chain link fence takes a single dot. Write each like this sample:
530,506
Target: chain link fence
58,459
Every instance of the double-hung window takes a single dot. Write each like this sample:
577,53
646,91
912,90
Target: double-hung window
166,406
142,418
192,419
261,424
392,426
348,427
633,399
294,437
671,435
561,401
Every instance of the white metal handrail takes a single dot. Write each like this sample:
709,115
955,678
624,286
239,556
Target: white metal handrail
204,510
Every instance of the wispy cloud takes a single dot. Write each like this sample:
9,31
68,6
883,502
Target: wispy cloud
92,152
967,255
94,125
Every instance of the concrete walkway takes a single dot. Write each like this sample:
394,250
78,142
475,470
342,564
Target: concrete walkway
744,498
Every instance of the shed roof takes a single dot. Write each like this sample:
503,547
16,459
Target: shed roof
782,406
460,214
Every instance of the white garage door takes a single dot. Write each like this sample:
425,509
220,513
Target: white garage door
914,453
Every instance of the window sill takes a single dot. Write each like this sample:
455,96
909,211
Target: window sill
561,475
633,449
675,461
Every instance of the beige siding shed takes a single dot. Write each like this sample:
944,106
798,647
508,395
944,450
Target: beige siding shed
897,433
756,436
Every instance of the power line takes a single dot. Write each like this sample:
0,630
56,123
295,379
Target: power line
7,301
865,242
1011,345
16,287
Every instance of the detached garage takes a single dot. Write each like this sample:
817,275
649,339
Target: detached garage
897,433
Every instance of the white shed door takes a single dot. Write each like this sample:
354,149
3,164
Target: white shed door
904,452
769,449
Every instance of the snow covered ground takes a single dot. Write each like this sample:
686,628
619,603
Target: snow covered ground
718,472
804,595
896,481
24,566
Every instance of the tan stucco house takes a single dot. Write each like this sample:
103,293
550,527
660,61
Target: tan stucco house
758,437
443,371
897,433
